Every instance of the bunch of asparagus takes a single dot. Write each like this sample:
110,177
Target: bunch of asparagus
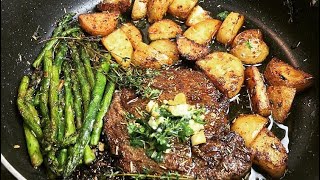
64,101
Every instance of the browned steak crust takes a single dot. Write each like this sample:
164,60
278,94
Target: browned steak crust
224,156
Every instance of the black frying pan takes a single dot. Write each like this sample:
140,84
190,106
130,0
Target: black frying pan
290,28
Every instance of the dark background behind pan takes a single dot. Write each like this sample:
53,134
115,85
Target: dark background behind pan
285,24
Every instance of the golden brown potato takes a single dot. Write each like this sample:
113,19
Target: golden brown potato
281,98
167,47
248,126
114,5
119,45
182,8
139,9
224,70
132,33
157,9
279,73
190,49
257,91
197,15
229,28
269,153
164,29
203,32
249,47
98,23
146,56
245,35
253,51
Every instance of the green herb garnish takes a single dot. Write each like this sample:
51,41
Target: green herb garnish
223,15
155,133
249,45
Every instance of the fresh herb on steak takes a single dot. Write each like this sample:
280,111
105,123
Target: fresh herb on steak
138,80
156,130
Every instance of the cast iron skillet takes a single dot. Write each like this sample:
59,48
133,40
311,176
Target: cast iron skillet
20,19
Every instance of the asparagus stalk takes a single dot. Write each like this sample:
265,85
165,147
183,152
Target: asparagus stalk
77,100
87,66
89,155
58,31
30,120
33,147
69,114
86,129
80,72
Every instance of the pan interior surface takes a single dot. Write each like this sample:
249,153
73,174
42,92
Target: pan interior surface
295,42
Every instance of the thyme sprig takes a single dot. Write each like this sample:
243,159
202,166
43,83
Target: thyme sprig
167,176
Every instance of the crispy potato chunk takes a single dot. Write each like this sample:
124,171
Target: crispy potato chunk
120,47
168,48
157,9
98,23
245,35
132,33
281,98
248,126
164,29
190,49
203,32
249,47
197,15
270,154
182,8
229,28
225,71
114,5
139,9
257,91
146,56
279,73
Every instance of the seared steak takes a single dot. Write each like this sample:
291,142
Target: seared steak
224,156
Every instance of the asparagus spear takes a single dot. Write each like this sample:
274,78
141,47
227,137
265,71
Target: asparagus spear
69,114
62,158
84,84
77,100
87,66
49,128
70,140
33,147
32,142
30,120
86,129
97,127
62,120
58,31
89,155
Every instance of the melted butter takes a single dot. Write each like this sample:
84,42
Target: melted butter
254,175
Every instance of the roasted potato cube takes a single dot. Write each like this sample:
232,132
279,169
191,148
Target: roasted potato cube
248,126
114,5
164,29
249,47
245,35
197,15
167,47
182,8
253,51
257,91
98,23
146,56
229,28
269,153
157,9
224,70
132,33
119,45
203,32
139,9
279,73
190,49
281,98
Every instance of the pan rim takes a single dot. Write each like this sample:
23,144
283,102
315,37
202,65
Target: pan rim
11,169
